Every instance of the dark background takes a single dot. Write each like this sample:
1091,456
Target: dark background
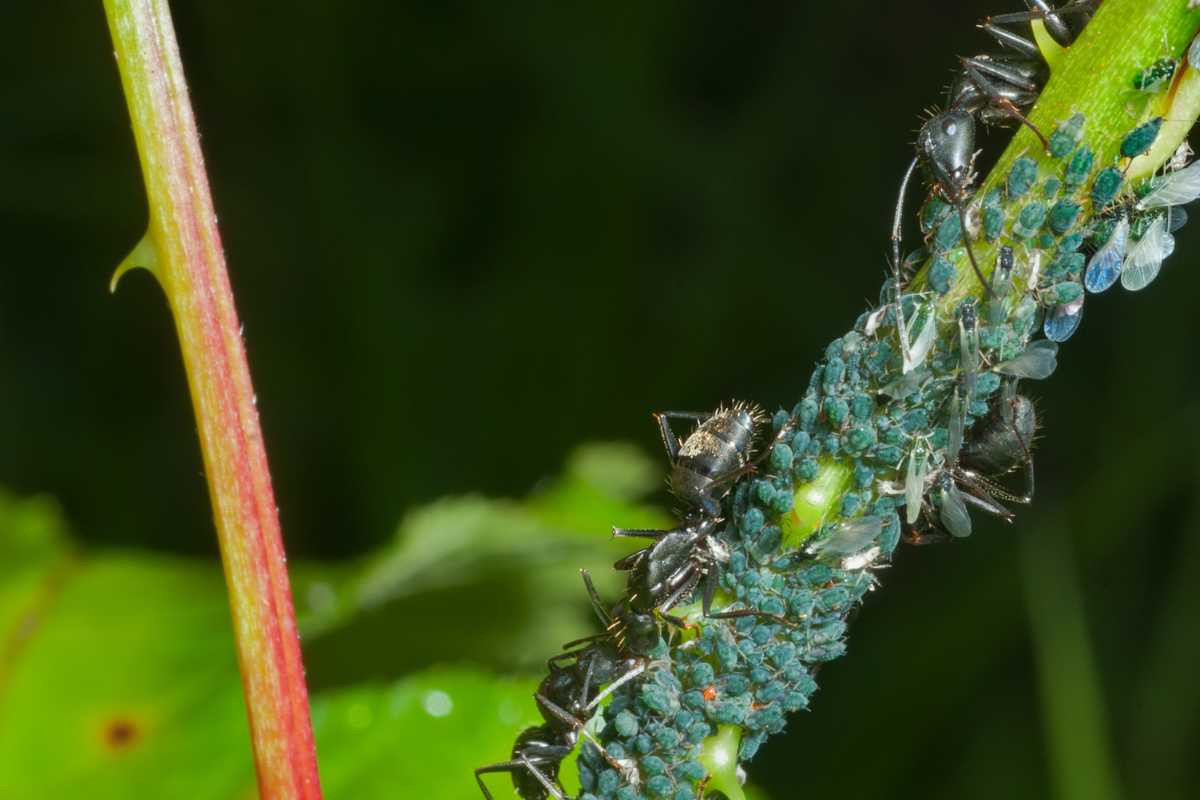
468,236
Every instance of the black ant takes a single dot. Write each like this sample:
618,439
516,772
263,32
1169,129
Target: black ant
997,445
996,89
565,698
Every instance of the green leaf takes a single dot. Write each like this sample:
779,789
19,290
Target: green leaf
121,681
118,679
118,675
449,560
421,737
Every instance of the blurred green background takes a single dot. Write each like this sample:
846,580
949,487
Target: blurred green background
467,238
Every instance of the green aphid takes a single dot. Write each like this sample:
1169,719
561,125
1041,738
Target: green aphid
835,373
1024,316
661,785
1071,243
993,223
1105,187
858,440
941,275
1067,264
805,469
1045,240
1064,139
933,213
806,412
1029,220
1051,187
888,453
1078,168
1063,215
1141,138
1155,76
990,338
861,406
864,476
1062,293
948,234
916,420
852,343
986,384
1022,177
1139,224
626,724
781,458
1100,230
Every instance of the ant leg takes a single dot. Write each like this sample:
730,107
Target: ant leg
1040,9
1001,71
663,418
678,622
979,494
975,69
632,560
526,763
575,724
898,221
897,234
966,238
618,683
595,637
551,787
1007,38
497,767
707,606
690,578
914,537
597,604
1026,498
639,533
751,612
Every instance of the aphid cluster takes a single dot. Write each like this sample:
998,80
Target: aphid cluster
726,617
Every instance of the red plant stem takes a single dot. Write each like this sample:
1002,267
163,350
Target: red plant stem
183,249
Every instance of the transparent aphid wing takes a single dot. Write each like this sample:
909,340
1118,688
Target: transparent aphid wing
1008,396
914,483
916,352
1173,189
1105,267
1063,321
1002,279
953,512
850,537
968,344
905,385
1034,271
874,320
1176,219
1145,258
954,427
1037,362
1002,282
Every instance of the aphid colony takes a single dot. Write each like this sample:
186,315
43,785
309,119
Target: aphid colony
727,617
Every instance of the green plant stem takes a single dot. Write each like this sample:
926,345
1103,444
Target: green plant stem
1093,77
183,250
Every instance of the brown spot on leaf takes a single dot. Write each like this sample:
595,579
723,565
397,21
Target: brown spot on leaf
121,733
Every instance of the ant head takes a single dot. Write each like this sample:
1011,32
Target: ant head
945,145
